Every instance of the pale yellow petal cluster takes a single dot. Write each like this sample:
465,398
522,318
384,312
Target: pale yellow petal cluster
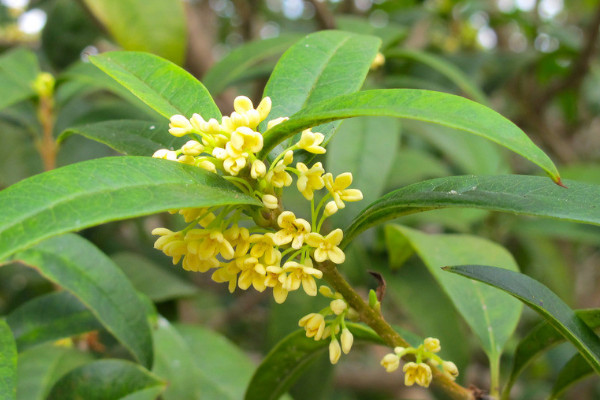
310,142
417,373
310,180
326,248
314,324
293,230
338,189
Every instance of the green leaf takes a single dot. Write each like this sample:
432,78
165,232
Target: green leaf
576,369
79,267
544,302
129,137
50,317
220,361
440,108
8,362
310,72
107,189
491,314
290,358
153,280
541,338
162,85
235,65
40,367
157,27
518,194
175,362
445,68
104,379
18,70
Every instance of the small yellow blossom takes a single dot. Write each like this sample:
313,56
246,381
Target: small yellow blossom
338,306
185,159
269,201
276,121
208,243
378,61
264,246
330,208
326,247
244,139
253,273
171,243
347,340
239,238
206,164
180,126
432,345
450,368
192,148
258,169
310,180
419,373
195,262
390,362
335,351
191,214
338,188
310,142
303,274
275,278
228,272
292,230
165,154
314,324
278,176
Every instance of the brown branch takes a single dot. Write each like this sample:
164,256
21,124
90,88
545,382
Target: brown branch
323,15
46,144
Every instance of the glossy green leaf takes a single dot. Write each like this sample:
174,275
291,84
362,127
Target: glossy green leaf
576,369
157,27
50,317
311,70
221,362
129,137
104,379
518,194
18,70
236,64
81,268
153,280
445,68
491,314
162,85
40,367
175,362
290,358
440,108
8,362
544,302
107,189
367,147
541,338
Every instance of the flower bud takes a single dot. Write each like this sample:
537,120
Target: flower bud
179,125
185,159
325,291
165,154
330,208
242,104
276,121
450,368
347,339
338,306
198,123
270,201
258,169
192,148
432,344
264,108
335,351
378,61
207,165
390,362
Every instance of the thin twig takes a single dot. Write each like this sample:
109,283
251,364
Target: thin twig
323,15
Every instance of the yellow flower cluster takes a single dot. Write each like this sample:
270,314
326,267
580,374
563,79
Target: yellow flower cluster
320,328
278,251
419,372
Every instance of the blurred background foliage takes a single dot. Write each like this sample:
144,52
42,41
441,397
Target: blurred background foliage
534,61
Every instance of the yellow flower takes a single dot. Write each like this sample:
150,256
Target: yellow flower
330,208
244,139
450,368
165,154
206,164
253,273
192,148
314,324
347,340
278,176
243,106
419,373
326,247
171,243
258,169
338,306
292,230
335,351
390,362
179,125
196,263
432,345
276,121
378,61
301,274
264,246
275,279
228,272
338,189
310,180
269,201
310,142
190,214
185,159
209,243
239,238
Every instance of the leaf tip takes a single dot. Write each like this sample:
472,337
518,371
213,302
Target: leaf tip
559,182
